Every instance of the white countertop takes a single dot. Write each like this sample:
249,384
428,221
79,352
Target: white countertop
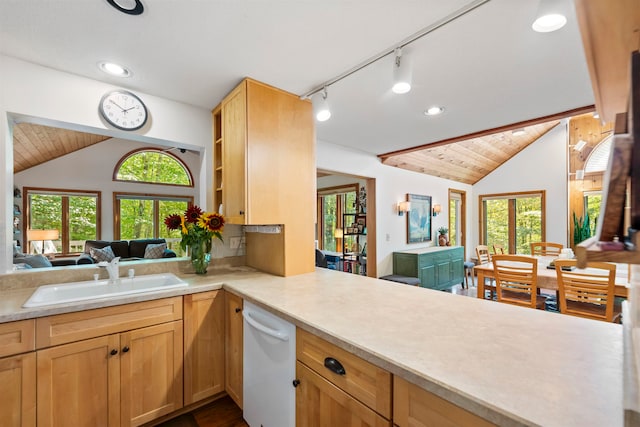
510,365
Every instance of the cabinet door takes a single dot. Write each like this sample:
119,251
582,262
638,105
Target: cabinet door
151,372
18,379
428,276
415,407
320,403
79,384
234,146
233,347
203,345
443,274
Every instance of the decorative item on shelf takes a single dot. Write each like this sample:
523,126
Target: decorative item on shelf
17,193
198,228
362,200
442,236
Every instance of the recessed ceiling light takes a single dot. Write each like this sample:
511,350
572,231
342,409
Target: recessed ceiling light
434,111
114,69
517,132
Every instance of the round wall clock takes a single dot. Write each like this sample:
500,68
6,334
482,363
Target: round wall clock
123,110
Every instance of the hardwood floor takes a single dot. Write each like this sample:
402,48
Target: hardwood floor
221,413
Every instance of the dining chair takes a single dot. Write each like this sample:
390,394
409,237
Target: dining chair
587,292
484,257
516,280
498,248
546,248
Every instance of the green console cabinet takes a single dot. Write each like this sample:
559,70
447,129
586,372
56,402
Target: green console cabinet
437,267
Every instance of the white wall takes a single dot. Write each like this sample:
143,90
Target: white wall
32,93
540,166
392,186
92,169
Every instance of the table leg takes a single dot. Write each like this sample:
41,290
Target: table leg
480,284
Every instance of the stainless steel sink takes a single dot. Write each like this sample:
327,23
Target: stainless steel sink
94,289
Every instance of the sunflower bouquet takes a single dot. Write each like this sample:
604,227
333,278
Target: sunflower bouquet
198,228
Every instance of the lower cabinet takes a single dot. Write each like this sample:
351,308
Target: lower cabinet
126,377
203,345
233,347
18,384
337,388
415,407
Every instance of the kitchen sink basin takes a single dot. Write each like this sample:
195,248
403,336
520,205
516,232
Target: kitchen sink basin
94,289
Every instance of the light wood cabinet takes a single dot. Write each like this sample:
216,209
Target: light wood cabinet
336,386
414,406
203,345
233,347
125,378
18,379
18,374
266,139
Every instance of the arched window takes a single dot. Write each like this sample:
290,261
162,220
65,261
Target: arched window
153,166
599,158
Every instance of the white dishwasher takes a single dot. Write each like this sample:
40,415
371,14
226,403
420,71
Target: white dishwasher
269,357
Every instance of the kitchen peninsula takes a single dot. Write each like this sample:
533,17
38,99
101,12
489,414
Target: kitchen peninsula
508,365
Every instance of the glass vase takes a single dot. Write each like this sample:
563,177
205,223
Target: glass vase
201,256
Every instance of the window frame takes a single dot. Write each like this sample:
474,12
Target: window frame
512,196
340,208
64,220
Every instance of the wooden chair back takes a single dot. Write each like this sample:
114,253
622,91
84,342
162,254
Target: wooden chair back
516,280
586,293
498,248
482,252
546,248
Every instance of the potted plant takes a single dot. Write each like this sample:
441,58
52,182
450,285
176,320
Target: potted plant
442,236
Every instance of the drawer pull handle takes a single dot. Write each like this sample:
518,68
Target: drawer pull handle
114,352
334,366
238,309
125,349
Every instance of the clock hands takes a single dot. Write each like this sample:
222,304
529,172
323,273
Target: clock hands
116,104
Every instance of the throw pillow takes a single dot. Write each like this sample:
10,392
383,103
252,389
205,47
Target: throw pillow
35,261
155,251
104,254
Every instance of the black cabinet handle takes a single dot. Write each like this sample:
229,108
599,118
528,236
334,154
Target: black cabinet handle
238,309
241,212
334,366
114,352
125,349
296,382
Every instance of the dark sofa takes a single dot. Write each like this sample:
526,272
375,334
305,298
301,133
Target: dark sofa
126,249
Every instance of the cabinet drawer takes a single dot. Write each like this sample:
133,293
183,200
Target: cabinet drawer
415,406
364,381
17,337
69,327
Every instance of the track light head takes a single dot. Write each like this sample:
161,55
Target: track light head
401,73
550,16
323,113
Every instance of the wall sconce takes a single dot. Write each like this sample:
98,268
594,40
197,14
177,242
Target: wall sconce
436,209
403,207
42,236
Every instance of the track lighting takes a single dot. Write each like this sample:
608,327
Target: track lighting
323,113
401,73
550,16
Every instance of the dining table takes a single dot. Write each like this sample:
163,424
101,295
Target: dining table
547,277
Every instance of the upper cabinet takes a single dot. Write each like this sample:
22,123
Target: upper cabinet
264,173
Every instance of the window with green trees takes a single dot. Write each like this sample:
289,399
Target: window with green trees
74,214
514,220
153,166
142,217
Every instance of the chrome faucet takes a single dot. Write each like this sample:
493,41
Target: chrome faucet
113,268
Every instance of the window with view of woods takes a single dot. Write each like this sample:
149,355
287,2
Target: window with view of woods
512,219
332,203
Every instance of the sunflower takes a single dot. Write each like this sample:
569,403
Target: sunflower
212,222
173,222
192,214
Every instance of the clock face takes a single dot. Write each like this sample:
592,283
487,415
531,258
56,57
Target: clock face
123,110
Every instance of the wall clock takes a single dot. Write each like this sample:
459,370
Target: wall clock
123,110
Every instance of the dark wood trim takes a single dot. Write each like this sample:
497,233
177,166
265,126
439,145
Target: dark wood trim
539,120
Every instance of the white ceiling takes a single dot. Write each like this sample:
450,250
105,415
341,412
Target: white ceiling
488,68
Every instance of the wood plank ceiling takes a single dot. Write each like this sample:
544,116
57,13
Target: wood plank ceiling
35,144
470,160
